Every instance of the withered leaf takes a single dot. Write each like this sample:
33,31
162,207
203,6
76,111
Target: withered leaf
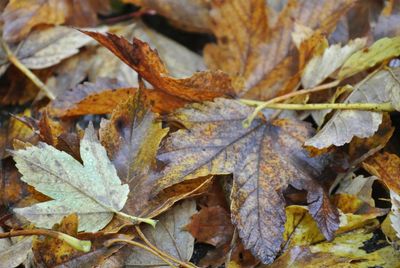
146,62
346,124
48,47
211,225
21,16
16,254
132,137
169,236
92,190
179,60
190,15
51,251
264,159
321,66
91,98
386,167
264,54
381,50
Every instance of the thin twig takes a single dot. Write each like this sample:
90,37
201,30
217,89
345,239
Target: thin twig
81,245
140,245
16,62
376,107
263,105
144,238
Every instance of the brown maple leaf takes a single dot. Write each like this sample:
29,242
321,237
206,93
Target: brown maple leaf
265,159
145,61
132,137
262,53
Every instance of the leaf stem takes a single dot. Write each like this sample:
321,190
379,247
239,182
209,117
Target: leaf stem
144,238
81,245
140,245
16,62
137,219
376,107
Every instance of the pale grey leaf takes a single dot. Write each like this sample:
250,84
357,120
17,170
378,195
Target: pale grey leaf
48,47
16,254
169,236
320,67
92,190
346,124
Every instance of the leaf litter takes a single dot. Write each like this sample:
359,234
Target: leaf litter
118,122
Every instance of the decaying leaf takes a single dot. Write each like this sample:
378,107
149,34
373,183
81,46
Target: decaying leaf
346,124
50,251
262,54
180,61
92,190
15,129
211,225
146,62
345,251
381,50
321,66
168,236
48,47
214,142
190,15
16,254
386,167
91,98
20,16
132,137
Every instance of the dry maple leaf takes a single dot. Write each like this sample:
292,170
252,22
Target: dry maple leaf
264,55
132,137
146,62
265,159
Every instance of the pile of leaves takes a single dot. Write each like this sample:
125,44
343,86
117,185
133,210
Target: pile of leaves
256,134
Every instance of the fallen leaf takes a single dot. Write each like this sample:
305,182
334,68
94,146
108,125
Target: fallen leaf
263,55
189,15
91,98
180,61
359,186
214,142
17,89
16,254
321,66
381,50
13,191
345,251
346,124
49,251
50,46
386,167
169,236
92,190
16,130
146,62
211,225
132,137
386,24
359,147
21,16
